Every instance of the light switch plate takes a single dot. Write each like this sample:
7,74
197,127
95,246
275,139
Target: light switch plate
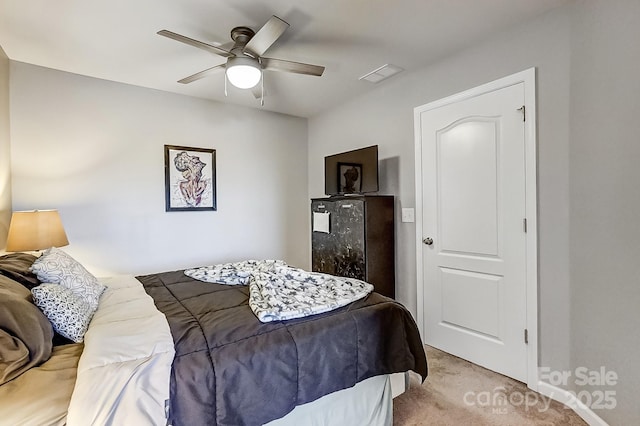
408,215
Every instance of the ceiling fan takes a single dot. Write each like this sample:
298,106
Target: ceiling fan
245,62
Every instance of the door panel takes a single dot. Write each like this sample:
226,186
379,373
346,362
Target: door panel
467,187
480,317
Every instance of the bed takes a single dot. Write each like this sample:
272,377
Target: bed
168,349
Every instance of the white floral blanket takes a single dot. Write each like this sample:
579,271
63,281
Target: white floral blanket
279,292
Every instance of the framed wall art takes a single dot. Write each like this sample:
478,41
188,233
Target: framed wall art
190,178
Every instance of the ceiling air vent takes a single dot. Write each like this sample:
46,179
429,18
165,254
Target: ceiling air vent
382,73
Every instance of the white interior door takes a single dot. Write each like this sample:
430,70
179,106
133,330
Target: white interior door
472,174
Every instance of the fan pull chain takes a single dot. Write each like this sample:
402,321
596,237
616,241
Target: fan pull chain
225,84
261,82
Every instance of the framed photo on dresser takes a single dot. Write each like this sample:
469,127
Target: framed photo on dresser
350,178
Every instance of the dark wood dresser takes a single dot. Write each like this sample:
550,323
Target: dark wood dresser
360,241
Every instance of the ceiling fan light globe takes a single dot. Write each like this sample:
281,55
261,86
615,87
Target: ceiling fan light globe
243,73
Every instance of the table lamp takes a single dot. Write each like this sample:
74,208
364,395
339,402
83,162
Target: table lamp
35,230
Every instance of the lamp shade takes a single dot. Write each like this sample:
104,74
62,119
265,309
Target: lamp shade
36,230
244,73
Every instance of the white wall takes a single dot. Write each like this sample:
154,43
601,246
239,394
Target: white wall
605,199
385,117
5,150
94,150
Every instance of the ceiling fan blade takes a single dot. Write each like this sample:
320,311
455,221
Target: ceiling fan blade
266,36
195,43
201,74
272,64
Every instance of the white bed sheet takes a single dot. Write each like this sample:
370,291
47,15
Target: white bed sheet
368,403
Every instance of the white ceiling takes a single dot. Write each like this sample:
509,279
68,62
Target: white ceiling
116,40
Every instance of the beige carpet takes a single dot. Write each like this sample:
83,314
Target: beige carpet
458,392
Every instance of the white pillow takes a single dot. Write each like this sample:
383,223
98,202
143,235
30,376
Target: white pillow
57,267
69,315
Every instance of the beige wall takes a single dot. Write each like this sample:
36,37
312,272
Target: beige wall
605,199
5,151
588,63
94,150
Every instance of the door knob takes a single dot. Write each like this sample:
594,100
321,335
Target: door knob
428,241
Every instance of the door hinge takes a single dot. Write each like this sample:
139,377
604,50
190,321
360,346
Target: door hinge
526,336
524,224
524,112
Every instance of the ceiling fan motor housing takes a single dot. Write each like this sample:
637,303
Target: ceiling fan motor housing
241,35
243,70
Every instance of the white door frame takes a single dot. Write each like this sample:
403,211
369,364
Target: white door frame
528,77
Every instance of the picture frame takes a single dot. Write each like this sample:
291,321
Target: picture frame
349,178
190,178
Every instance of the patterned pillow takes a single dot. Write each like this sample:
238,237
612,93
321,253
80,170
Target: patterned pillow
56,266
69,315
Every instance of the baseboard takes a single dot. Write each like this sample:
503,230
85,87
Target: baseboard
567,398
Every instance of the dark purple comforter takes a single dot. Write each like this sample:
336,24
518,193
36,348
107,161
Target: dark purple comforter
231,369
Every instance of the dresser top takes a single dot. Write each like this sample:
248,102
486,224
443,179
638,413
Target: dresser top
351,197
